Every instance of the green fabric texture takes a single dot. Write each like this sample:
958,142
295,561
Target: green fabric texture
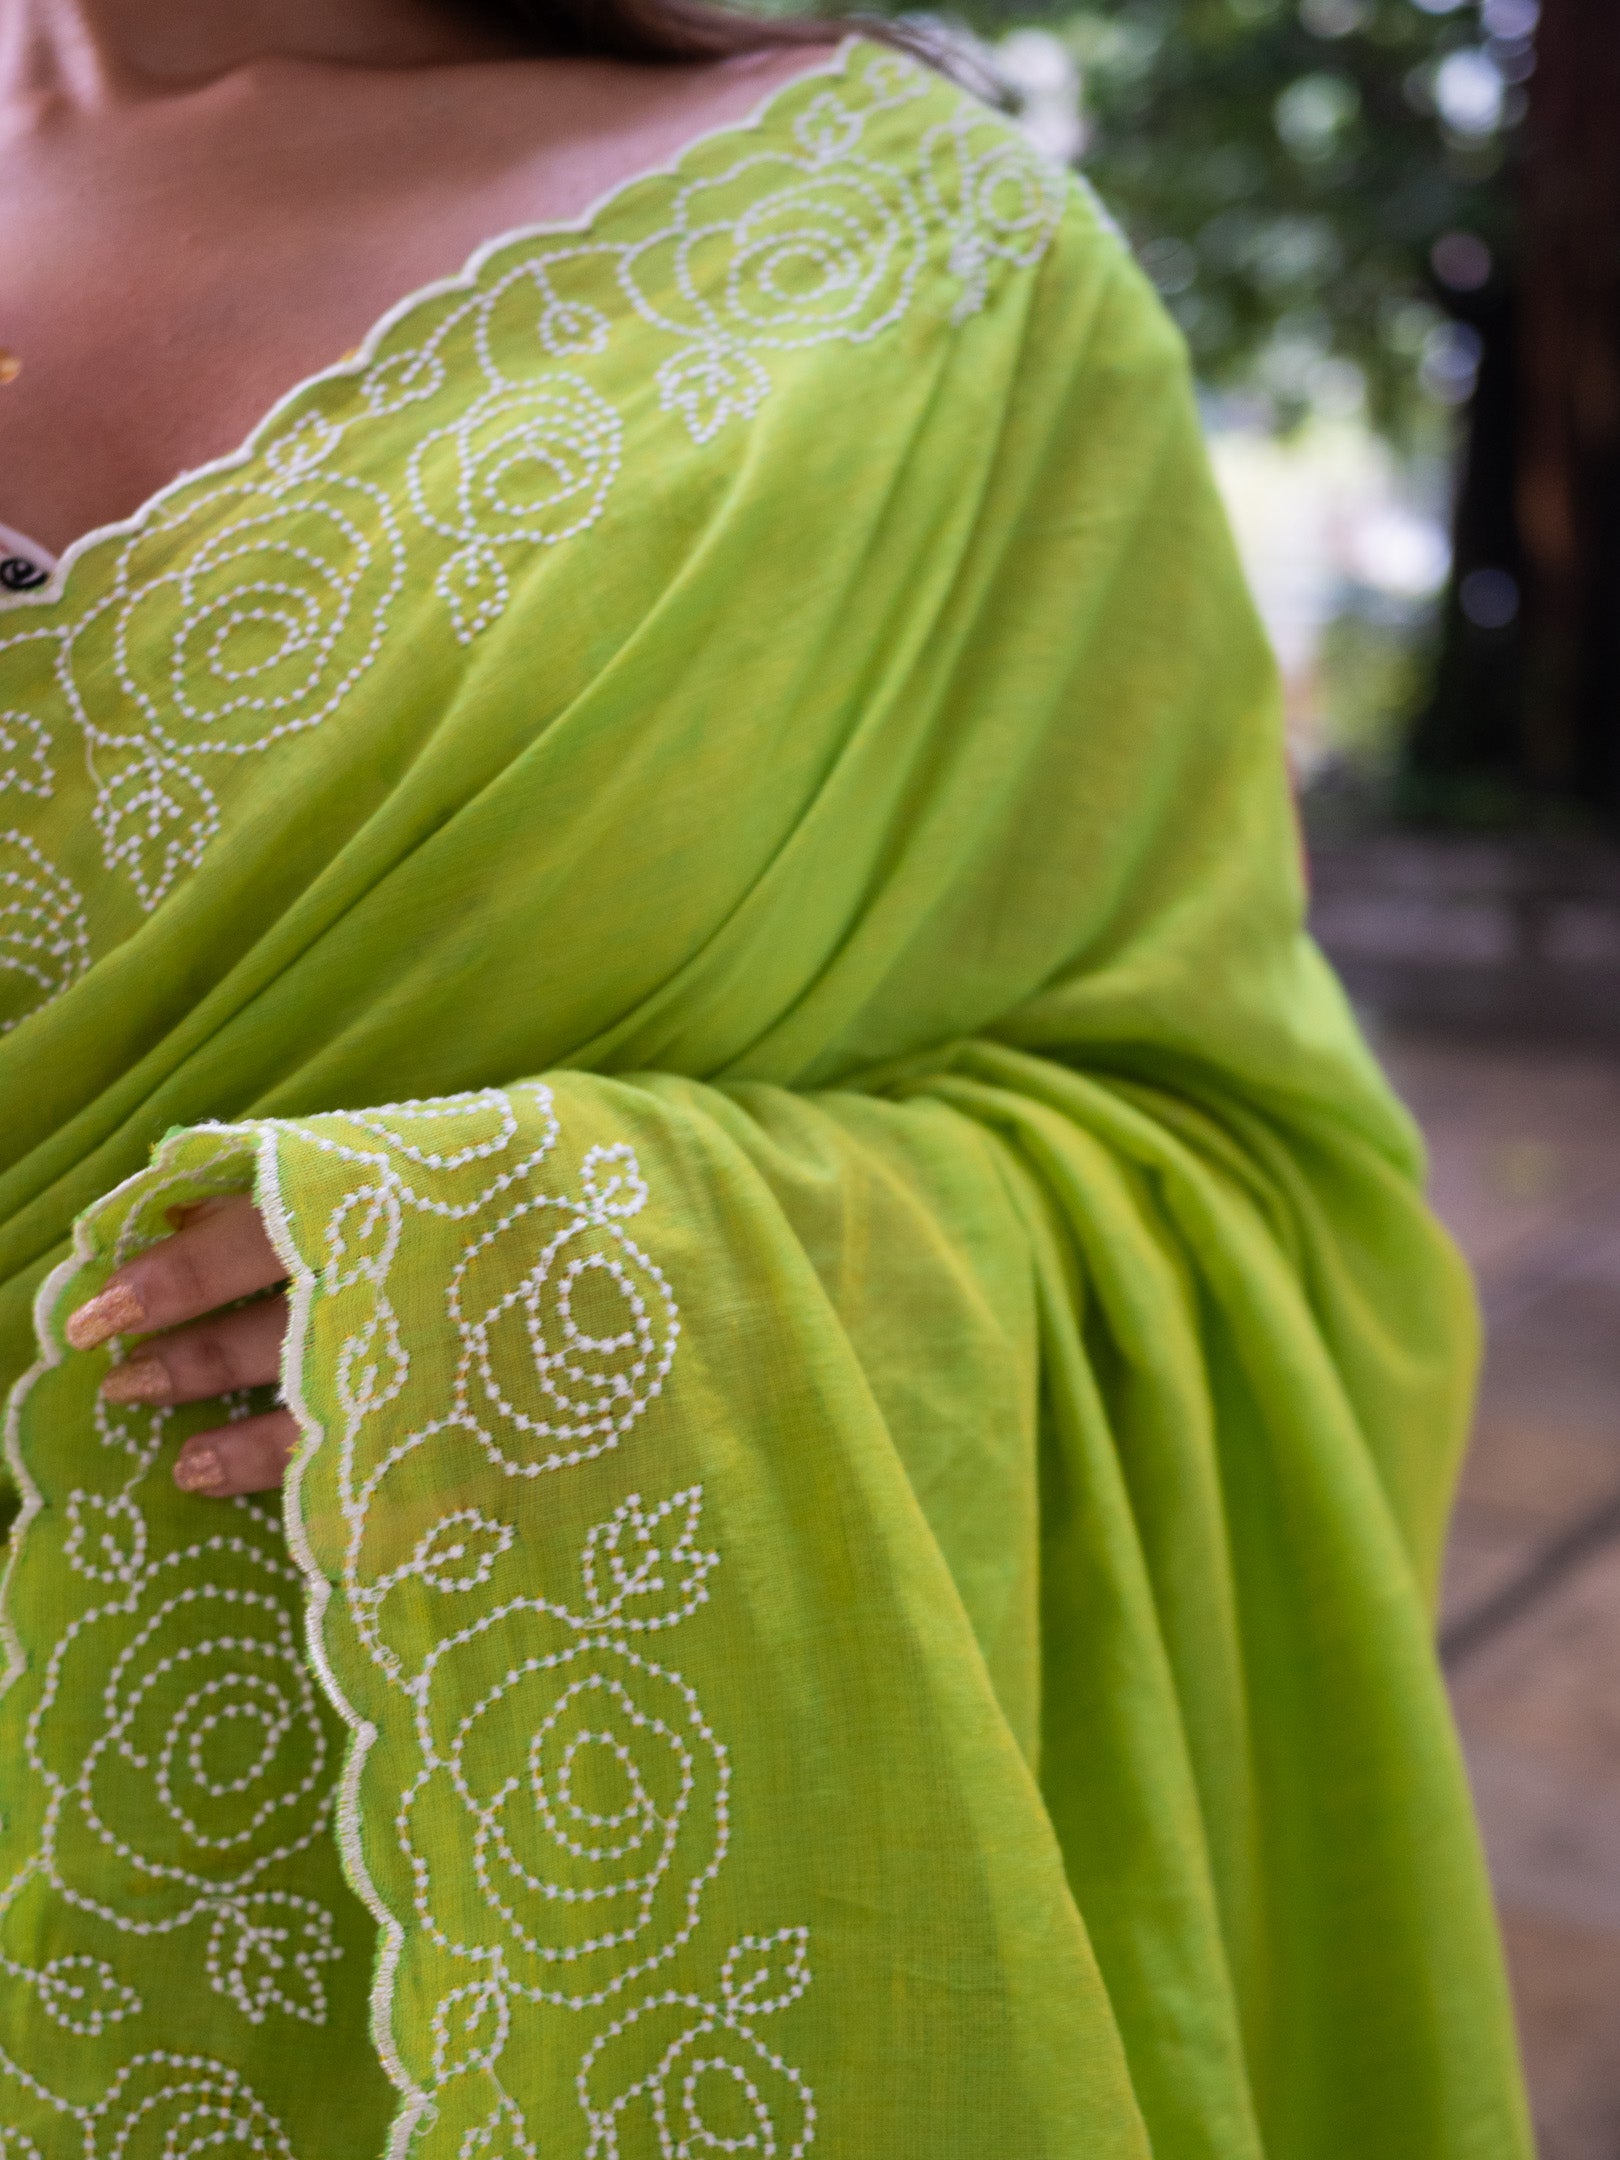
879,1411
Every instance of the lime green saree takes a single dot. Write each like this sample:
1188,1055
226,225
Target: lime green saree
705,822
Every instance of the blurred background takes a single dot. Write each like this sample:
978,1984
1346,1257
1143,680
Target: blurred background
1390,231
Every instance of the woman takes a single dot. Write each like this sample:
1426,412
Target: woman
871,1416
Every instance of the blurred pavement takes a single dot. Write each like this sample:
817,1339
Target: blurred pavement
1525,1142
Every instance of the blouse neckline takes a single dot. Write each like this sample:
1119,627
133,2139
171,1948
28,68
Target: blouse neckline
42,578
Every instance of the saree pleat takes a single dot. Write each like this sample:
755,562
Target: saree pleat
705,825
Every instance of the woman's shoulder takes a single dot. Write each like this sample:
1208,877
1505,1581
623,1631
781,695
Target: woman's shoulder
562,136
801,193
806,200
543,140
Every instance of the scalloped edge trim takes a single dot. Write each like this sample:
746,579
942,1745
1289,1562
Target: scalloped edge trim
346,1816
259,1142
462,280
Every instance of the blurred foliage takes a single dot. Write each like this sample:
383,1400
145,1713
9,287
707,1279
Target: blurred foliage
1312,186
1288,189
1373,669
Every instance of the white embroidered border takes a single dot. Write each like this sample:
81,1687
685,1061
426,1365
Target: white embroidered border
759,1974
281,603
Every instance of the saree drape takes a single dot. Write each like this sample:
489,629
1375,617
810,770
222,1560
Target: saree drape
705,823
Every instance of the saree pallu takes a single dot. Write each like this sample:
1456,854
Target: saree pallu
704,823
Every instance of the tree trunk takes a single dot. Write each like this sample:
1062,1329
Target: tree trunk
1466,762
1568,495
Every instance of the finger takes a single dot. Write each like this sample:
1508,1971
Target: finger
248,1457
224,1255
190,1211
211,1357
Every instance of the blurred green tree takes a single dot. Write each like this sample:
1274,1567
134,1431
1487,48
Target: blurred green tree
1407,208
1319,188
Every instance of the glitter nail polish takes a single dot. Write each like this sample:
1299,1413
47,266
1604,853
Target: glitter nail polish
117,1311
141,1379
199,1472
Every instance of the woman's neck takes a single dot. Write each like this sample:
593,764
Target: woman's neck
85,53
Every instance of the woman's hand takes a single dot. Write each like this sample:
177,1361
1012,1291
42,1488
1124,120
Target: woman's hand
219,1252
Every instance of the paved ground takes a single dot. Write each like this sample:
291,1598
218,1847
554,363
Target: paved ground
1526,1150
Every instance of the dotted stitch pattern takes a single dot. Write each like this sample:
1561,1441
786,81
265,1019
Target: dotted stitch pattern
198,1764
269,585
578,1898
563,1873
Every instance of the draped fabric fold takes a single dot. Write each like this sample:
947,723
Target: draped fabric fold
705,825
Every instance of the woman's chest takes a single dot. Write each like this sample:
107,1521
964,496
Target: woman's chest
149,337
138,357
172,280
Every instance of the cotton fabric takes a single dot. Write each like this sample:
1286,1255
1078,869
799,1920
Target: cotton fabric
705,823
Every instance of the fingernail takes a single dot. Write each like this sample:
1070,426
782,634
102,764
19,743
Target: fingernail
199,1471
117,1311
142,1378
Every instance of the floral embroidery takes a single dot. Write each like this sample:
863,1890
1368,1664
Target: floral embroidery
481,1537
558,1800
158,2104
44,935
247,603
